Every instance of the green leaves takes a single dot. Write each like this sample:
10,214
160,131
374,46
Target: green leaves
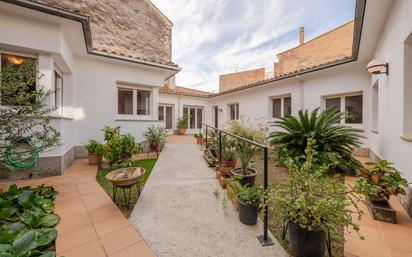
334,141
30,213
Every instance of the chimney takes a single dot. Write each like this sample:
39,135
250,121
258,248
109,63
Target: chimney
170,83
301,35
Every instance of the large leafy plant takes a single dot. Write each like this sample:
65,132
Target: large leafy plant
246,194
94,146
382,179
155,136
118,148
182,122
27,219
27,115
335,142
313,200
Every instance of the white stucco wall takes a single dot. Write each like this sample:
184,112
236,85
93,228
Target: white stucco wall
307,92
179,101
394,104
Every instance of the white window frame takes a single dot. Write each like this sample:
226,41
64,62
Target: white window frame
188,112
59,94
164,113
343,106
134,116
282,105
237,111
22,54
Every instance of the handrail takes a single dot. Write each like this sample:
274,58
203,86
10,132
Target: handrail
264,239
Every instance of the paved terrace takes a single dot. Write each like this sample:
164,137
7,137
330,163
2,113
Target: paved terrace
91,225
178,213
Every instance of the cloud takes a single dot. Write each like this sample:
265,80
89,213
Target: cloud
212,37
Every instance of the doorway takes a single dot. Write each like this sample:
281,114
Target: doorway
216,116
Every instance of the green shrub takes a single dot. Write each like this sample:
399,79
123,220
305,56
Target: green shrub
118,148
94,146
155,136
246,194
182,122
313,200
27,219
382,179
335,142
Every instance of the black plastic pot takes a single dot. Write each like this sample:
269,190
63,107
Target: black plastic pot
248,214
245,179
305,243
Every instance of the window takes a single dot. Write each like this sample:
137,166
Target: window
133,101
14,61
195,115
143,102
375,107
165,114
234,111
351,105
58,92
125,101
281,106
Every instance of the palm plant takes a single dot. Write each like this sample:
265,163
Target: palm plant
155,136
335,142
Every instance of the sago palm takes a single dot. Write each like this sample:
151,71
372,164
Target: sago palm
334,141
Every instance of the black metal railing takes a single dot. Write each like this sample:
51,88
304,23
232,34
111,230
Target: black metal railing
264,239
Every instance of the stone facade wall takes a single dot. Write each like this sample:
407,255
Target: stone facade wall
328,47
133,28
238,79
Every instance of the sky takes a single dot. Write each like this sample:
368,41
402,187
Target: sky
213,37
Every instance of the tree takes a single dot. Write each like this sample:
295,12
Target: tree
335,142
24,113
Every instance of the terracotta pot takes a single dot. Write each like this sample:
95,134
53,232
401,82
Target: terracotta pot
94,159
181,131
199,140
154,147
230,164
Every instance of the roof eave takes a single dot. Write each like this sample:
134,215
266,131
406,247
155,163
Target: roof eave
85,22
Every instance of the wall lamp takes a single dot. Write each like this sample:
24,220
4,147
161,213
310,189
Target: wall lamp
378,67
220,110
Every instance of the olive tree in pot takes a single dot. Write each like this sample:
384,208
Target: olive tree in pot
245,174
182,124
249,200
382,180
155,137
95,151
312,203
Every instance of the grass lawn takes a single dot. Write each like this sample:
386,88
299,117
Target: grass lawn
147,164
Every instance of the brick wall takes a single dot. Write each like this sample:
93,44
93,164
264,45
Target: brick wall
126,27
237,79
333,45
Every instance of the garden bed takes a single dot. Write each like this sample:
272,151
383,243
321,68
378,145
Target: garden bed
27,221
147,164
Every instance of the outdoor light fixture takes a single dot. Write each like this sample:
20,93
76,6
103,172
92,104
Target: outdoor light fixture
220,110
378,67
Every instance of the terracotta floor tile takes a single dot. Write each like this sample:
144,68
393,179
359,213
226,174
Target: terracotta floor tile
95,196
91,190
119,240
75,238
69,224
90,249
364,248
393,240
110,225
98,203
67,195
395,252
371,234
140,249
104,213
66,212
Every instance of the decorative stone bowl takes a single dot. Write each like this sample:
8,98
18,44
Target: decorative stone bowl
125,176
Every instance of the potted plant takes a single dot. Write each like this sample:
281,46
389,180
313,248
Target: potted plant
95,150
229,156
155,137
311,204
245,174
248,199
383,180
199,138
182,124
